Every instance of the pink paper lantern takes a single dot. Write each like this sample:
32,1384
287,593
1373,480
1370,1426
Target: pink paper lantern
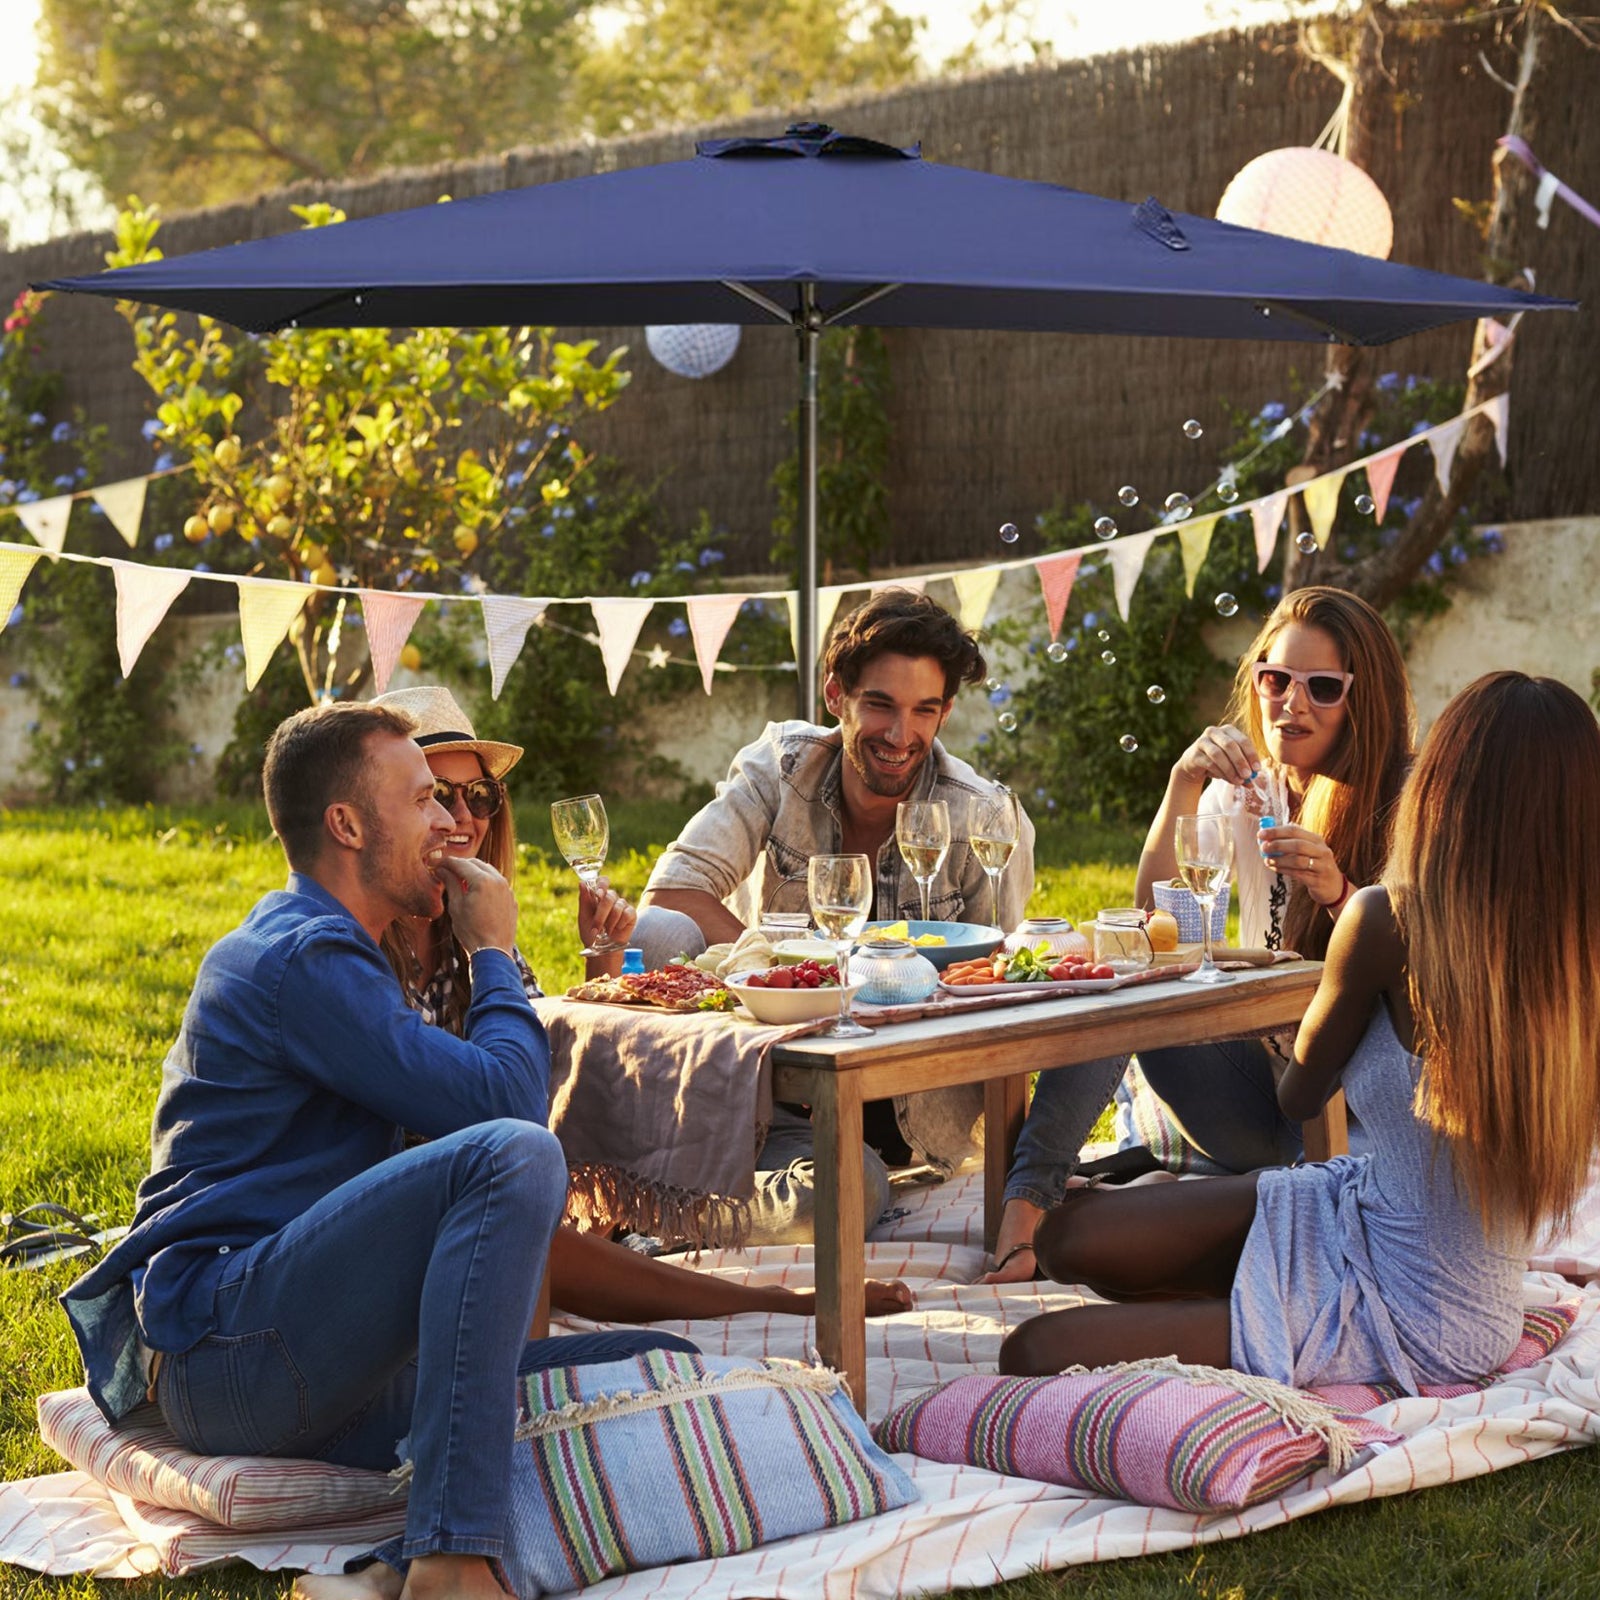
1312,195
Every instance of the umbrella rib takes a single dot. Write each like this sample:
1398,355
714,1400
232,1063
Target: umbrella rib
756,298
857,301
318,306
1333,334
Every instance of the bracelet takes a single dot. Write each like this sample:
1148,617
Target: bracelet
1334,907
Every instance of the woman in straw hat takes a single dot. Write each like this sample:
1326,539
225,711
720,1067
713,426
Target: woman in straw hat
589,1275
1455,1011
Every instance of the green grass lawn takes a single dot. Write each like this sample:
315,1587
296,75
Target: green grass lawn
108,914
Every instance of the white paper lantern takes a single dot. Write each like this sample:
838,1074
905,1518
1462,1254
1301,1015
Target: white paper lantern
1312,195
693,349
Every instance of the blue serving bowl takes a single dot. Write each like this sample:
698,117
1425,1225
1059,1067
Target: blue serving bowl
963,941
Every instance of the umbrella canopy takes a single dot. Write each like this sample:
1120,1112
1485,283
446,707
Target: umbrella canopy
812,229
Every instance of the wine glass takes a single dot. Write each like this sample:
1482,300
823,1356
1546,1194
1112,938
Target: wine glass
840,888
995,826
922,830
1205,853
583,835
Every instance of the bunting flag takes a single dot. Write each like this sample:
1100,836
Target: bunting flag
1380,479
506,620
46,520
390,619
144,595
1498,409
710,617
974,593
267,608
123,504
1056,576
1194,541
1321,498
1266,517
827,609
16,562
618,623
1443,440
1127,562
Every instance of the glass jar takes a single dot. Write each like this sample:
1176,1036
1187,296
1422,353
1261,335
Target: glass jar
1056,932
893,972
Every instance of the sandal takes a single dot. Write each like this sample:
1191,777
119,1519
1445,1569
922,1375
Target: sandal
45,1232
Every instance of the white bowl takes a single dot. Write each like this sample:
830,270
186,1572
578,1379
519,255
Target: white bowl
790,951
781,1007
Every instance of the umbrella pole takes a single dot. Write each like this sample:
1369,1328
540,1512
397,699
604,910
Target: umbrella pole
808,328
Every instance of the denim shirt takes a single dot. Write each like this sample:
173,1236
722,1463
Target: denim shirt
297,1067
783,802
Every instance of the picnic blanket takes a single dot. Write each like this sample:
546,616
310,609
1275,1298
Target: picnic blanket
970,1528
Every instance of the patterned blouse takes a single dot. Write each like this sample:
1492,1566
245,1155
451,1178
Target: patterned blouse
432,1000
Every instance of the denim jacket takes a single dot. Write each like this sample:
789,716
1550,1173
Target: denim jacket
783,802
297,1067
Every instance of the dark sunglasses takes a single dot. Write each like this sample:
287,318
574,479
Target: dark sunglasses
484,796
1325,689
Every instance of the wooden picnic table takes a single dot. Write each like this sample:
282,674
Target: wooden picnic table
999,1048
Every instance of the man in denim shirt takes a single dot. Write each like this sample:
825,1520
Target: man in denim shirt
297,1283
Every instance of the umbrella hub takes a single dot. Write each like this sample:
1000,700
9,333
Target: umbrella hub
811,139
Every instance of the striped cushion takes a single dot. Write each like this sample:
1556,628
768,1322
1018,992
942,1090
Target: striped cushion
1156,1438
673,1457
141,1459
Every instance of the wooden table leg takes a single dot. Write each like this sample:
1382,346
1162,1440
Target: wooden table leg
1005,1105
841,1230
1328,1135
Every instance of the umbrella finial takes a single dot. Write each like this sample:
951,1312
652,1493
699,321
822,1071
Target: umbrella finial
808,139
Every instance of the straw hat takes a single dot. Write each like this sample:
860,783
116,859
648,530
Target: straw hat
443,725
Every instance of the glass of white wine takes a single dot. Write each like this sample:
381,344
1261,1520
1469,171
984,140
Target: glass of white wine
1205,855
583,835
995,827
840,888
922,830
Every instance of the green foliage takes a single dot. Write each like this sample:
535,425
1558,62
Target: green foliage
852,457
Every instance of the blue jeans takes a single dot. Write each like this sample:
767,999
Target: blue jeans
1225,1099
784,1209
398,1304
1067,1102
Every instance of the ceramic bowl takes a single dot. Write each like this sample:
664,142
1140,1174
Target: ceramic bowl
781,1007
964,941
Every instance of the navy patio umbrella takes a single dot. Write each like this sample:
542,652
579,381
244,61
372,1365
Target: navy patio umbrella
814,229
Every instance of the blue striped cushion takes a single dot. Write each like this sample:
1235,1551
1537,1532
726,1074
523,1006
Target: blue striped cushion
673,1457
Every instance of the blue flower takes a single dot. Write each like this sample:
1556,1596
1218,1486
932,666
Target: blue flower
710,558
197,749
1458,556
983,740
356,620
37,419
62,480
15,619
165,461
1435,564
1039,794
26,497
61,432
1412,380
19,680
677,627
548,530
69,765
1369,440
201,566
555,431
233,654
1091,619
515,480
1272,411
590,502
1071,641
1387,536
524,447
1389,382
1349,552
162,541
33,727
1419,427
1274,592
150,428
79,474
639,579
684,566
1409,508
1000,696
8,488
1493,541
1050,804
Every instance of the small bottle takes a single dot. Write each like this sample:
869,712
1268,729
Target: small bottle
632,959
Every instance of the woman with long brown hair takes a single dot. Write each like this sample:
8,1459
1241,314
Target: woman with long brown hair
1321,703
1456,1012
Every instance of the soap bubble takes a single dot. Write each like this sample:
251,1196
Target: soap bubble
1056,650
1109,657
1365,504
1192,429
1103,636
1105,527
1177,505
1306,542
1227,491
1008,532
1008,723
1155,694
1128,495
1128,743
1226,605
991,684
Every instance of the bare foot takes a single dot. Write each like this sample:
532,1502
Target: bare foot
1013,1250
451,1577
377,1582
884,1299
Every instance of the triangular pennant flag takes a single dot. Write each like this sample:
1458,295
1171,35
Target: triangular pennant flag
1498,410
46,520
1194,540
827,608
618,623
974,591
266,609
710,617
1380,479
1266,516
143,596
1321,497
123,503
390,619
1443,441
1056,575
506,620
16,562
1127,562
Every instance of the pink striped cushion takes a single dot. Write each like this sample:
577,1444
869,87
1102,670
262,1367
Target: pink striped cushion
141,1459
1151,1437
